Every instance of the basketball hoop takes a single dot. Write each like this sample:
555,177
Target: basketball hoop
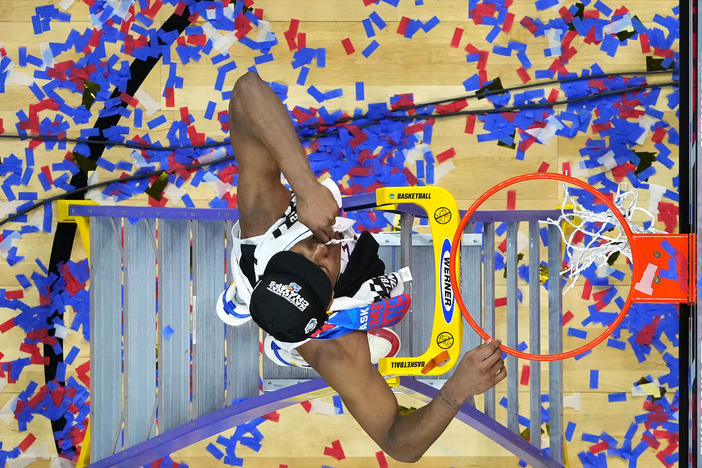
638,244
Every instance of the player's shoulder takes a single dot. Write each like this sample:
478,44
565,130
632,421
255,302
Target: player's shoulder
348,350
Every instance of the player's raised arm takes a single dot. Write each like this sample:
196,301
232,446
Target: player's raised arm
347,369
265,144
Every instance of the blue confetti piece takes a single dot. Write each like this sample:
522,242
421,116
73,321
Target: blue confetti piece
168,332
472,83
338,404
71,356
23,281
610,45
612,343
570,429
594,378
431,24
157,122
265,58
216,452
577,333
370,48
377,20
613,397
544,4
501,50
368,26
392,2
315,93
333,94
302,76
321,57
602,8
209,112
494,32
360,91
41,265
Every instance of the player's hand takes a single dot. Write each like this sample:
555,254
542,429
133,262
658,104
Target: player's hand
479,370
317,210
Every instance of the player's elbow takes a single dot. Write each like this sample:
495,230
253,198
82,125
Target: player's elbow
401,450
403,455
246,90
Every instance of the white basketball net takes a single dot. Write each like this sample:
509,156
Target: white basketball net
601,233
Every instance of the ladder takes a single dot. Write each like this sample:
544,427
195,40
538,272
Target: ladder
157,272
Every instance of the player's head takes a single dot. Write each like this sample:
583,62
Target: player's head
325,256
291,298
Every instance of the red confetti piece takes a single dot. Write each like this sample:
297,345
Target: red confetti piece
402,27
456,39
27,442
667,53
307,405
369,2
335,450
586,290
359,171
523,75
653,443
15,294
524,379
470,123
511,199
658,135
565,14
411,178
301,40
529,25
645,335
567,317
543,167
482,61
382,462
170,99
412,129
620,172
471,49
597,448
565,168
7,325
127,99
600,294
668,214
645,47
500,302
348,47
83,368
274,416
443,156
509,21
185,115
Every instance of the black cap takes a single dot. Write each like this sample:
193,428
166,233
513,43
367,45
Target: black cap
291,298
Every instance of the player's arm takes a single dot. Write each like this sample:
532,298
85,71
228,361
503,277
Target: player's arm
346,367
265,144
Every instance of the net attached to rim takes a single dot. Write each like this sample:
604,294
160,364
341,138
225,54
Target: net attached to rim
592,234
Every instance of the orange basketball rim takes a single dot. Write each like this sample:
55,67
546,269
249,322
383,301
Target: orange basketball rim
645,263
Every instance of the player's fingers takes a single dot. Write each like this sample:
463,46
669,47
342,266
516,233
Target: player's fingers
489,361
489,348
321,233
497,365
499,376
